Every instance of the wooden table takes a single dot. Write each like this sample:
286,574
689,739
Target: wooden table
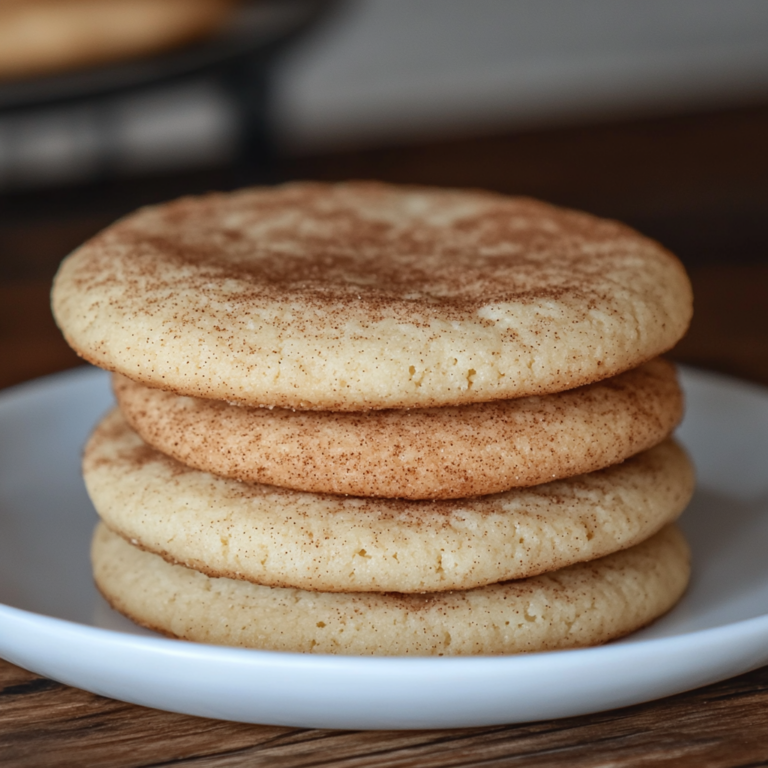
698,183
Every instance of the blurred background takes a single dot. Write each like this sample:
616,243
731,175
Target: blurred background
655,113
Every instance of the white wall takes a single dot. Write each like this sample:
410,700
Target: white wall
384,69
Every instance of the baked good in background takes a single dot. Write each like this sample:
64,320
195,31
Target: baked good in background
42,37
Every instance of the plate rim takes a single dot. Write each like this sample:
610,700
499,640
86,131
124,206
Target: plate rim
160,643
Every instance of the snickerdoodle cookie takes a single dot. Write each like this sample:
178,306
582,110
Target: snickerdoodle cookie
585,604
361,296
431,453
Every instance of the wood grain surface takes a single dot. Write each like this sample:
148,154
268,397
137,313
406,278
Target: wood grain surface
46,724
698,183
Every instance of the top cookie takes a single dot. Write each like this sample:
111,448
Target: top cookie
358,296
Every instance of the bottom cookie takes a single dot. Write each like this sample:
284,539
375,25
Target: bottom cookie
585,604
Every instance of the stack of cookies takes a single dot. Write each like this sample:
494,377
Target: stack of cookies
376,420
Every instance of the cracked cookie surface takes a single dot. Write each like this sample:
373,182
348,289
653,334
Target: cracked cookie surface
364,296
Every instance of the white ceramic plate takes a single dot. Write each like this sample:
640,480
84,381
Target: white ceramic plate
54,623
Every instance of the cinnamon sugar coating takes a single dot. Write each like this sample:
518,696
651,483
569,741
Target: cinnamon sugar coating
287,538
364,296
585,604
436,453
